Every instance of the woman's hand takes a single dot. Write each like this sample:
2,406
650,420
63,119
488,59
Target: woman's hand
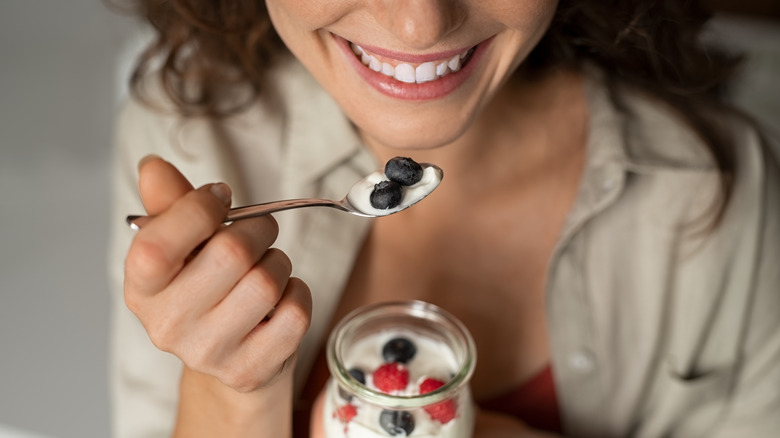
204,291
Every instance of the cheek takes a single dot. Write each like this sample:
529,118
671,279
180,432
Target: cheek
300,25
526,22
304,15
525,14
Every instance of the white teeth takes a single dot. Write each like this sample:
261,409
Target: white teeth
425,72
442,69
388,70
374,64
454,63
405,73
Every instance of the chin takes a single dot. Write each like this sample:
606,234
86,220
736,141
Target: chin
413,131
411,138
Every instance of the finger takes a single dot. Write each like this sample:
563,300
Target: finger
222,262
316,419
271,345
160,249
211,344
251,300
160,184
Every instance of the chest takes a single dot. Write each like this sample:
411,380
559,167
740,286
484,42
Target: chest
492,276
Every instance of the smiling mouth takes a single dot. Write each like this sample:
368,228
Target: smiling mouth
411,73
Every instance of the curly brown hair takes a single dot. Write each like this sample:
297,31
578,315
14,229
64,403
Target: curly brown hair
204,49
653,45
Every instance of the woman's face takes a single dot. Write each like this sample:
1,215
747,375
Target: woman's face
432,65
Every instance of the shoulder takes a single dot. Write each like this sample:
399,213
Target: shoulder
658,135
151,116
667,166
150,122
654,138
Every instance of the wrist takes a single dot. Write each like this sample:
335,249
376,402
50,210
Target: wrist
207,407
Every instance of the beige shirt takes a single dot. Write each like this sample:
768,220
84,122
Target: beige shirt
655,330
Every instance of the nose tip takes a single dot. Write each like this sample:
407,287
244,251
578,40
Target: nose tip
420,24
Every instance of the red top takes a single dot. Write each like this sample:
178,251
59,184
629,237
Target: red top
534,402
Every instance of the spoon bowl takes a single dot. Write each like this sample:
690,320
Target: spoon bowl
361,189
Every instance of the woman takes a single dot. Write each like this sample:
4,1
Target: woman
606,228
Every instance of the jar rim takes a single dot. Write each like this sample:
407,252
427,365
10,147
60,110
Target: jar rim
414,308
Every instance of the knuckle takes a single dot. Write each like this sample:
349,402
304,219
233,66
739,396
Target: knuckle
146,259
133,301
199,356
297,319
263,287
262,297
263,228
270,225
161,340
232,249
200,213
281,259
164,335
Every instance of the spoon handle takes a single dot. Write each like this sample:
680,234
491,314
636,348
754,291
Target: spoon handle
136,222
255,210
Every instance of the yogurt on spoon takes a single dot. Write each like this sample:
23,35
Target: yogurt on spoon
403,183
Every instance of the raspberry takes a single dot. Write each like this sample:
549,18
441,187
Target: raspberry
444,411
391,377
430,384
346,413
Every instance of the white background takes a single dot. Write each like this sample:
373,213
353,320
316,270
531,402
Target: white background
63,65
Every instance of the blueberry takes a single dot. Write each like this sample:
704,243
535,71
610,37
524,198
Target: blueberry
397,422
399,350
404,171
386,195
356,374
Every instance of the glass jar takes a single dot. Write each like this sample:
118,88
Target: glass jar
400,369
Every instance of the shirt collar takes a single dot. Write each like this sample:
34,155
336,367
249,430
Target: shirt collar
643,136
606,159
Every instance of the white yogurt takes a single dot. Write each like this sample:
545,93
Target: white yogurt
433,359
360,193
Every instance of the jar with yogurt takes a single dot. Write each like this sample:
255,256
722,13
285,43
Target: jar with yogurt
400,369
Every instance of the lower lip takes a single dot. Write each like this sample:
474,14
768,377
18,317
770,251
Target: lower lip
425,91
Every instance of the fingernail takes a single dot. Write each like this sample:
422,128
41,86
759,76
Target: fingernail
222,192
147,159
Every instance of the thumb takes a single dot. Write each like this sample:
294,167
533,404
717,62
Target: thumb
160,184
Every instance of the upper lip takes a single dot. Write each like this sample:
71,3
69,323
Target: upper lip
411,57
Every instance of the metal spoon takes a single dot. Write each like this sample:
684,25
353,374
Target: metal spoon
358,190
